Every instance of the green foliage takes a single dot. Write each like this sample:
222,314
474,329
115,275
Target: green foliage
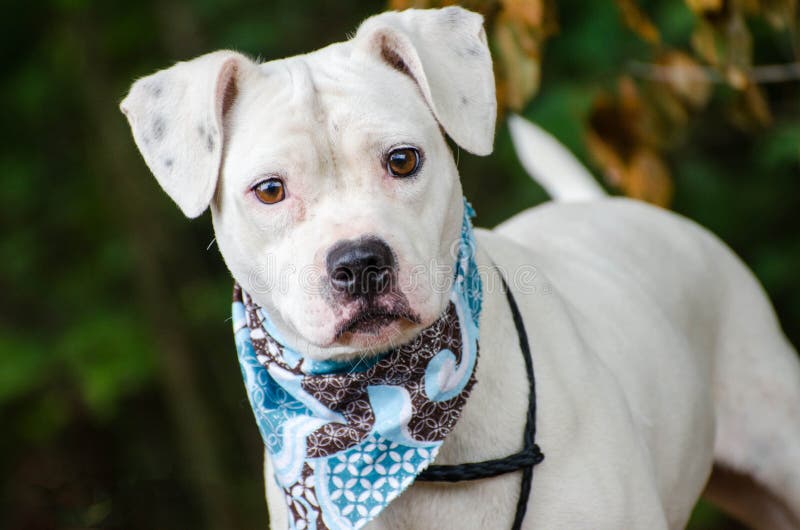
108,357
120,396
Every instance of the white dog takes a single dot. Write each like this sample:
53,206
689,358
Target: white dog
657,355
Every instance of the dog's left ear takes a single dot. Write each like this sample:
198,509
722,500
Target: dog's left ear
445,52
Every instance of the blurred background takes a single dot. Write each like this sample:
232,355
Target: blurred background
121,401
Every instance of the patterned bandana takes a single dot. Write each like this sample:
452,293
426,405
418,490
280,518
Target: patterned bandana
346,439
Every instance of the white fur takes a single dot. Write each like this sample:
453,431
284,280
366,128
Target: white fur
656,352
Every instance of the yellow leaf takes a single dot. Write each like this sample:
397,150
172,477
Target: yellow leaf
736,77
749,7
704,42
647,178
780,14
738,43
686,78
529,12
670,114
519,69
638,21
705,6
750,110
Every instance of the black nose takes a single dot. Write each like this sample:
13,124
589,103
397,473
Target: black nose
360,267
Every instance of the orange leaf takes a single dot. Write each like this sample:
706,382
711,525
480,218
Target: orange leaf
529,12
705,6
399,5
623,138
612,134
647,178
750,110
519,69
607,158
638,21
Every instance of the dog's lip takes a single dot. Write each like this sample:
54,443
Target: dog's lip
372,319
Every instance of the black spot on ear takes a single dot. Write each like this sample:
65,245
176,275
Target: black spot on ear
474,51
154,88
452,16
464,101
168,163
159,127
207,135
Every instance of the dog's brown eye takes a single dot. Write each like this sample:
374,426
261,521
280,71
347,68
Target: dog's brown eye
403,162
270,191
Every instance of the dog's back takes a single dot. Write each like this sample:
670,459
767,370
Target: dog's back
600,256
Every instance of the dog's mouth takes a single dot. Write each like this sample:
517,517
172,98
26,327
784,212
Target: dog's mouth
373,320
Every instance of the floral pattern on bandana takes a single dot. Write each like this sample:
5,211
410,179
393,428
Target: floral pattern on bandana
345,443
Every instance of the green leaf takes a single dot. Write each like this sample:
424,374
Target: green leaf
23,365
109,358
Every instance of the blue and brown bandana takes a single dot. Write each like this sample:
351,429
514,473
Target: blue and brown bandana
346,439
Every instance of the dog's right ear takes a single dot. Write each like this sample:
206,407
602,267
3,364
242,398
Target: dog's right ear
446,54
177,118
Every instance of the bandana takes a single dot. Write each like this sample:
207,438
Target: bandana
346,438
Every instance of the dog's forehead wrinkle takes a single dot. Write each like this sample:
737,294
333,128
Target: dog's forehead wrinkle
309,106
322,114
303,89
331,96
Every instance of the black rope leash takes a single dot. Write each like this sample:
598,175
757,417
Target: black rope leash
523,460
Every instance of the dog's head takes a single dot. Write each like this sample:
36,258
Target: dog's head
335,198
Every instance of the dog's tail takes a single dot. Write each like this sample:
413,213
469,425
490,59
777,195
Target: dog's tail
550,164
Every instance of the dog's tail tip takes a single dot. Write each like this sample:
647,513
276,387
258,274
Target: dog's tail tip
550,164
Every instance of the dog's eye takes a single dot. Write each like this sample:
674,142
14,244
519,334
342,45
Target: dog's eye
403,162
270,191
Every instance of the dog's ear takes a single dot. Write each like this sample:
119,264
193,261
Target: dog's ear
177,117
445,53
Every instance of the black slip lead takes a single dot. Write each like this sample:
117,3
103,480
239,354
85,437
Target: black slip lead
524,460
